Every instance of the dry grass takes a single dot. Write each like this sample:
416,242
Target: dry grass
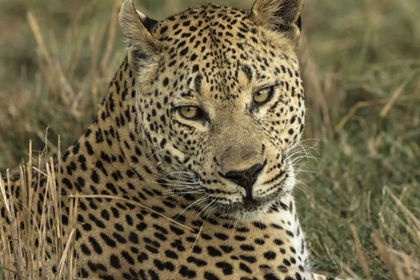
22,257
363,96
360,199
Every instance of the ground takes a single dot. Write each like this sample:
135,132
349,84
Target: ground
357,196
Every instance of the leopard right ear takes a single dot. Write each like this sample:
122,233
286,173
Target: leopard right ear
137,29
280,16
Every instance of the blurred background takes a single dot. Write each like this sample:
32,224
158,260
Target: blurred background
359,191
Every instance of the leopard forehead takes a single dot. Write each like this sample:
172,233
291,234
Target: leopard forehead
220,44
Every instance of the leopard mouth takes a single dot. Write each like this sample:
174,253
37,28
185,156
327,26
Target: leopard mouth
249,206
246,206
209,202
244,211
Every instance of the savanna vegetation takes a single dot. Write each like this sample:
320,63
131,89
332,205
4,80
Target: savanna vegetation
359,163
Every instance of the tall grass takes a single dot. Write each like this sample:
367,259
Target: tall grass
28,254
358,195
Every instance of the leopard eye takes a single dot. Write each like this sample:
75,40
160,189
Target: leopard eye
189,112
263,95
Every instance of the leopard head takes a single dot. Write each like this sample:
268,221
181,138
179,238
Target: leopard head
220,102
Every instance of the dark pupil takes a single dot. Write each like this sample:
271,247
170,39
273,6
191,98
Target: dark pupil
190,110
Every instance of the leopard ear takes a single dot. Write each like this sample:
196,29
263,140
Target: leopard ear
137,28
279,15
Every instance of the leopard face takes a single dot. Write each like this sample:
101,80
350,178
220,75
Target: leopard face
220,102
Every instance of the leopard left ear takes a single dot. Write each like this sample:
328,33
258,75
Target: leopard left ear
279,15
137,29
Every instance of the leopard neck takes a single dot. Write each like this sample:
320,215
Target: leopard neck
114,141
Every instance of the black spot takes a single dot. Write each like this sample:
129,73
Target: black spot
89,148
133,237
153,275
119,238
167,159
171,254
176,230
159,265
259,225
270,255
271,276
212,251
163,29
82,160
249,259
80,183
278,242
243,229
65,155
226,268
76,148
85,249
111,188
221,236
97,267
94,176
127,257
210,276
87,227
67,182
226,249
158,209
183,52
165,82
96,247
239,238
105,214
259,241
185,272
197,249
244,267
108,240
115,261
276,226
248,248
196,261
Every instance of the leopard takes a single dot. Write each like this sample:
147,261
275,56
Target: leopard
186,171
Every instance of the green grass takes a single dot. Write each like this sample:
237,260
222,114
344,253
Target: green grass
361,67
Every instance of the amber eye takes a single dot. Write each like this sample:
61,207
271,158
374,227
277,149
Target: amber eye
189,112
263,95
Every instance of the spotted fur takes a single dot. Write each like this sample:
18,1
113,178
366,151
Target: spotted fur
164,195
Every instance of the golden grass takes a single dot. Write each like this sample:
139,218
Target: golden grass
25,256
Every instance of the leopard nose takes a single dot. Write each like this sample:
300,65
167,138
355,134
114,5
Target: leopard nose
245,178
